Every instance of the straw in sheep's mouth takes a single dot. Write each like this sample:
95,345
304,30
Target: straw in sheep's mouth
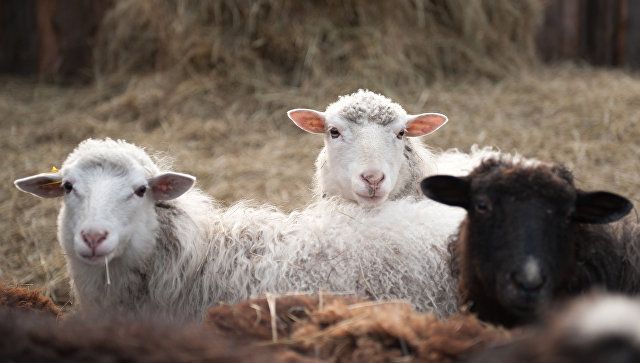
106,265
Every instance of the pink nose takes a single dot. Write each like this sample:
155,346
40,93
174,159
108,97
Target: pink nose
93,237
372,177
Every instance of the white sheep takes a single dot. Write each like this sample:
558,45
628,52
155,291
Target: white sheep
138,240
459,163
372,152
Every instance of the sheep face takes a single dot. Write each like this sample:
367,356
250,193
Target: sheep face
109,203
106,212
366,153
514,245
364,160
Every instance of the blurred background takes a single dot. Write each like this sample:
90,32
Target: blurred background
208,82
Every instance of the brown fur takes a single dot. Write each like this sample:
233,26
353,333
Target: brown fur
28,300
345,329
458,260
28,337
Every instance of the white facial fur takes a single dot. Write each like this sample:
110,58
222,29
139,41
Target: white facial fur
362,150
369,155
104,200
109,190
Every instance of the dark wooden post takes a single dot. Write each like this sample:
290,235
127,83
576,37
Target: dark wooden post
632,39
18,37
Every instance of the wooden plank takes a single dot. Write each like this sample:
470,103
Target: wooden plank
600,31
632,39
48,50
77,22
18,39
560,36
51,38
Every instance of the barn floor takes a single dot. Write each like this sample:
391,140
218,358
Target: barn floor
241,145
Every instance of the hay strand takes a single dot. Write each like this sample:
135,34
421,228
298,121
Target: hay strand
106,266
271,302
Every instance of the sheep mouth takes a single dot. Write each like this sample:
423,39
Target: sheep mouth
372,198
95,257
525,308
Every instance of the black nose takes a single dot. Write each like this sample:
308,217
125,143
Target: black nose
529,282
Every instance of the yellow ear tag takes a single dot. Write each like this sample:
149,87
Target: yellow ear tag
56,183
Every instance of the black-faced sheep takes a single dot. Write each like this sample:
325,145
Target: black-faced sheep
599,328
346,329
531,236
138,240
28,300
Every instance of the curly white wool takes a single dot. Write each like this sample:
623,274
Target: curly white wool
177,257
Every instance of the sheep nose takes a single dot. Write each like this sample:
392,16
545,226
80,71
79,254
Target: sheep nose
372,177
93,237
527,281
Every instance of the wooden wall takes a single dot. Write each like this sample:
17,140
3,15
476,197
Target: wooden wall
632,50
51,38
601,32
18,37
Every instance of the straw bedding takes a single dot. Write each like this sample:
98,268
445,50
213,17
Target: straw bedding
209,83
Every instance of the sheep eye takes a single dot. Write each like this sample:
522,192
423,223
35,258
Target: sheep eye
68,187
482,206
401,134
334,133
140,191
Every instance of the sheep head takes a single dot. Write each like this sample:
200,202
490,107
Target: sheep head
109,190
366,145
515,247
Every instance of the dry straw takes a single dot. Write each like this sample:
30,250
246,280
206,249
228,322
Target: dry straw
293,42
346,329
209,83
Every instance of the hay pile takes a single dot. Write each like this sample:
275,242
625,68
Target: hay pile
268,42
343,329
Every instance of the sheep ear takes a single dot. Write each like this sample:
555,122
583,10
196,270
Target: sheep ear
424,123
600,207
170,185
446,189
308,120
45,185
